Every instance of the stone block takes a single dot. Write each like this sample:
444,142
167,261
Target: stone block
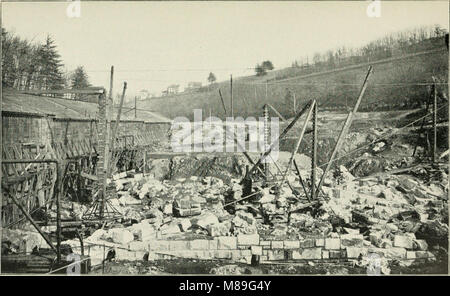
275,254
320,242
307,243
332,243
248,239
199,244
291,244
325,254
178,245
213,244
222,254
410,255
256,250
352,240
264,243
395,253
226,242
337,254
138,246
307,254
420,245
159,245
277,245
355,252
403,241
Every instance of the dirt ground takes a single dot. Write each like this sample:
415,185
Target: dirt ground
191,266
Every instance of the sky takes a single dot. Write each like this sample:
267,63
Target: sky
155,44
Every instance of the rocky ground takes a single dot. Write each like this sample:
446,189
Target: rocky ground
381,201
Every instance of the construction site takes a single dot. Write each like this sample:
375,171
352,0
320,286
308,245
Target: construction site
349,172
100,184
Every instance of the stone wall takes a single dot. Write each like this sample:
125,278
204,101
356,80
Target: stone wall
26,128
239,248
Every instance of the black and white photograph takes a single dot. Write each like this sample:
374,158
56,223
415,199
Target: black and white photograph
222,138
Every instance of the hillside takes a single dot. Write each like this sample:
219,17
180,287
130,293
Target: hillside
398,82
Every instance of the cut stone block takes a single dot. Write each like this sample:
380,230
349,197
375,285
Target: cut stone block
355,252
420,245
395,253
352,240
403,241
307,254
178,245
222,254
307,243
248,239
320,242
159,245
138,246
226,242
410,255
256,250
213,244
277,245
275,254
337,254
332,243
199,244
291,244
264,243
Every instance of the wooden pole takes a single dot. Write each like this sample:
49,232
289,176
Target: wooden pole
301,180
223,103
434,121
295,104
27,215
59,176
297,145
119,112
314,155
347,124
135,107
111,82
285,131
231,95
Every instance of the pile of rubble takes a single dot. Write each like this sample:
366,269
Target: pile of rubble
395,216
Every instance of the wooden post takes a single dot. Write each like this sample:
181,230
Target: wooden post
297,145
347,124
27,215
135,107
111,82
314,155
231,95
434,121
285,131
223,103
295,104
59,176
266,140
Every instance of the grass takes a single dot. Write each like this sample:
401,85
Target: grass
392,84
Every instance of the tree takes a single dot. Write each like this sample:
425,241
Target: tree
79,78
51,76
211,78
267,65
260,70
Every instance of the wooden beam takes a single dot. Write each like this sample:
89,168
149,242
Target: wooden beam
297,145
285,131
345,128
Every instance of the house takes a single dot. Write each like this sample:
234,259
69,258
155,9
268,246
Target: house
173,89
